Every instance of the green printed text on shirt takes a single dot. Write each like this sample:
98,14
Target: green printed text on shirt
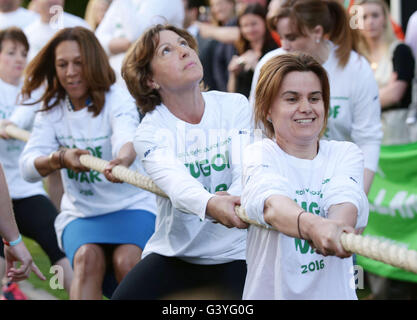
217,162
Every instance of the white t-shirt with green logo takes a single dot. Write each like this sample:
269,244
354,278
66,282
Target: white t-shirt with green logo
190,162
11,149
282,267
88,194
355,110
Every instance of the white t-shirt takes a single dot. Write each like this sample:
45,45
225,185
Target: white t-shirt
11,149
355,110
88,194
190,163
39,33
130,19
18,18
282,267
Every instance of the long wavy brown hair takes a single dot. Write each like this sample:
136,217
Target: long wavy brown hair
96,70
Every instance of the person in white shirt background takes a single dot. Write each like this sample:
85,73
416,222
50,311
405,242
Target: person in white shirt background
309,190
12,14
35,213
103,227
355,110
126,20
95,12
186,143
52,18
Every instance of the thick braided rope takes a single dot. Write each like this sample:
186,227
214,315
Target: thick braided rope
366,246
122,173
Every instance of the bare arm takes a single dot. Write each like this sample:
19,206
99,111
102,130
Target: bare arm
8,227
125,158
64,158
393,92
119,45
221,207
10,232
222,34
324,234
367,180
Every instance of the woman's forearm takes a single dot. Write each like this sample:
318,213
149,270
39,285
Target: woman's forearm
283,214
8,227
368,178
392,93
346,212
127,154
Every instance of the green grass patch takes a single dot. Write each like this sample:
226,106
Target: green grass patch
42,261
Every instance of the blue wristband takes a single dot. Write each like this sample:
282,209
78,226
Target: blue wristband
15,242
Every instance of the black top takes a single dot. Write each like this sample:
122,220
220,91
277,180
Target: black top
403,64
244,78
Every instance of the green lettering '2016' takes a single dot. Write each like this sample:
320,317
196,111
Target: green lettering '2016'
312,266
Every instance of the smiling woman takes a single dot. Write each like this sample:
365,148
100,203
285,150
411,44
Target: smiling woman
198,241
310,190
68,65
102,227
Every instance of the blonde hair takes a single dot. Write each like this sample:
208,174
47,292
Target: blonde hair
388,35
271,77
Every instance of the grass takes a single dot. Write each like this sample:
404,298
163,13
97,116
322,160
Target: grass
42,261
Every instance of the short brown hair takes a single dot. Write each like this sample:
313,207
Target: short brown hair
272,75
136,70
14,34
96,70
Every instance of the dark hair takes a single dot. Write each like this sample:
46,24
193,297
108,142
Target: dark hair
242,45
96,70
272,75
14,34
136,70
307,14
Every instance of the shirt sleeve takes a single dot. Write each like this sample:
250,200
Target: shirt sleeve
241,137
124,120
366,115
41,143
156,151
346,184
23,116
261,179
